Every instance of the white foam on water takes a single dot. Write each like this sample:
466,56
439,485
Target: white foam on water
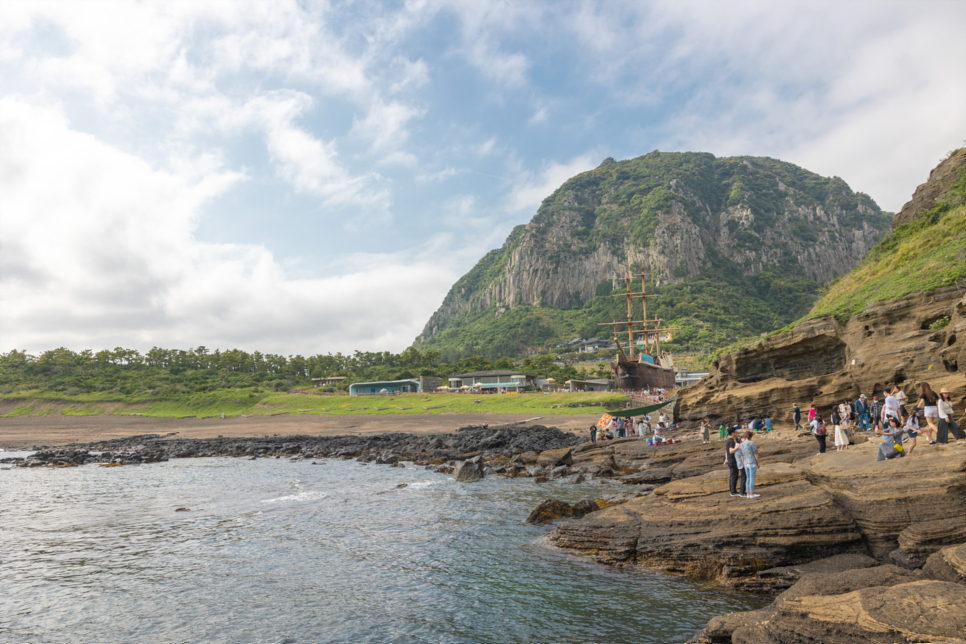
306,495
421,484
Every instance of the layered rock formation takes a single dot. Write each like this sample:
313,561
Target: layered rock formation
823,362
812,506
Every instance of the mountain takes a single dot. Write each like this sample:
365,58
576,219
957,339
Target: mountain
894,319
733,247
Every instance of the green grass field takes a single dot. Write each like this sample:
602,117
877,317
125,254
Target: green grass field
235,402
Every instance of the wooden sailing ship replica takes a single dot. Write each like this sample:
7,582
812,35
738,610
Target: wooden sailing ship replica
651,368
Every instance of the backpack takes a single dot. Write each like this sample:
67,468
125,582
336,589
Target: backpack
820,429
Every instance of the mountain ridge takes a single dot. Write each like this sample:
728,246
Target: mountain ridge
688,219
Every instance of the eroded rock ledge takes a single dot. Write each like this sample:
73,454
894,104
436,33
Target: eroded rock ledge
881,536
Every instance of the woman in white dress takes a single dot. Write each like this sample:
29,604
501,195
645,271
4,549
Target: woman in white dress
841,438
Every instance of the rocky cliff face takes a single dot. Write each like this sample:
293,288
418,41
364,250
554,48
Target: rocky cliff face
822,362
928,194
677,215
905,340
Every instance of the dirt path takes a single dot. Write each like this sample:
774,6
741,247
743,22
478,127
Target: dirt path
27,431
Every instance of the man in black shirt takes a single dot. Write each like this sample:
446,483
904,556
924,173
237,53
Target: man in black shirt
731,446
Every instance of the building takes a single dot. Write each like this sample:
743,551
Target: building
593,344
325,382
684,377
376,388
596,384
491,382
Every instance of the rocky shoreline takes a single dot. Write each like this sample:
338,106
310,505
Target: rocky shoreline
855,550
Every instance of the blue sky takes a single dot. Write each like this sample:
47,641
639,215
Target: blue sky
311,177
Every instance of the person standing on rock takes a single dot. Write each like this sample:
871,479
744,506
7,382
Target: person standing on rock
797,417
749,455
740,460
819,431
946,421
862,411
705,432
731,446
890,409
912,430
593,433
875,415
722,432
929,404
841,438
812,413
902,398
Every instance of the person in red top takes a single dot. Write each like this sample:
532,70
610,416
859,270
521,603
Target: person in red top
811,413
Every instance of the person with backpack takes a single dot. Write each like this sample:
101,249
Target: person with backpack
819,432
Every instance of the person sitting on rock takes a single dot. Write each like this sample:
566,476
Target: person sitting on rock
768,425
756,424
891,445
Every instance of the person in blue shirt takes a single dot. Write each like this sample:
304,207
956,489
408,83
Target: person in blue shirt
768,426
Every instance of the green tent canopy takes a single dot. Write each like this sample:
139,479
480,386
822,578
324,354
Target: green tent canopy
640,410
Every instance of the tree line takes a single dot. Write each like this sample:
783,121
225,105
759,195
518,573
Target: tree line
165,372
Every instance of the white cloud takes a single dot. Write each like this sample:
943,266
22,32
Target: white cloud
528,193
98,250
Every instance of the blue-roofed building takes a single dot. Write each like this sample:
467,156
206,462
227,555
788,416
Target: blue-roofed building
385,386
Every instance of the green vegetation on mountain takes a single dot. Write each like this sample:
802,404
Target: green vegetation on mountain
925,254
732,247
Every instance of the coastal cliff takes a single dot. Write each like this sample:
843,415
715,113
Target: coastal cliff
766,231
897,318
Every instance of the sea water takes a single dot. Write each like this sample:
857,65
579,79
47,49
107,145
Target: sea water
276,551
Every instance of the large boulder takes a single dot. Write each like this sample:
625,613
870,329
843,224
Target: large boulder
468,471
949,564
551,458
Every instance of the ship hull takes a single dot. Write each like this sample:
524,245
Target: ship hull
635,375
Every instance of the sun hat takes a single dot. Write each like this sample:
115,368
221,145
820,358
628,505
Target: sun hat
862,396
944,391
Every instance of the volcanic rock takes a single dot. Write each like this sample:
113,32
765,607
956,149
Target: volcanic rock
549,511
949,564
554,457
468,471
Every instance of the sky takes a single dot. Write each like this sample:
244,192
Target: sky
312,177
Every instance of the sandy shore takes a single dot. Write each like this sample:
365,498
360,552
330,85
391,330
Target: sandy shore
27,431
